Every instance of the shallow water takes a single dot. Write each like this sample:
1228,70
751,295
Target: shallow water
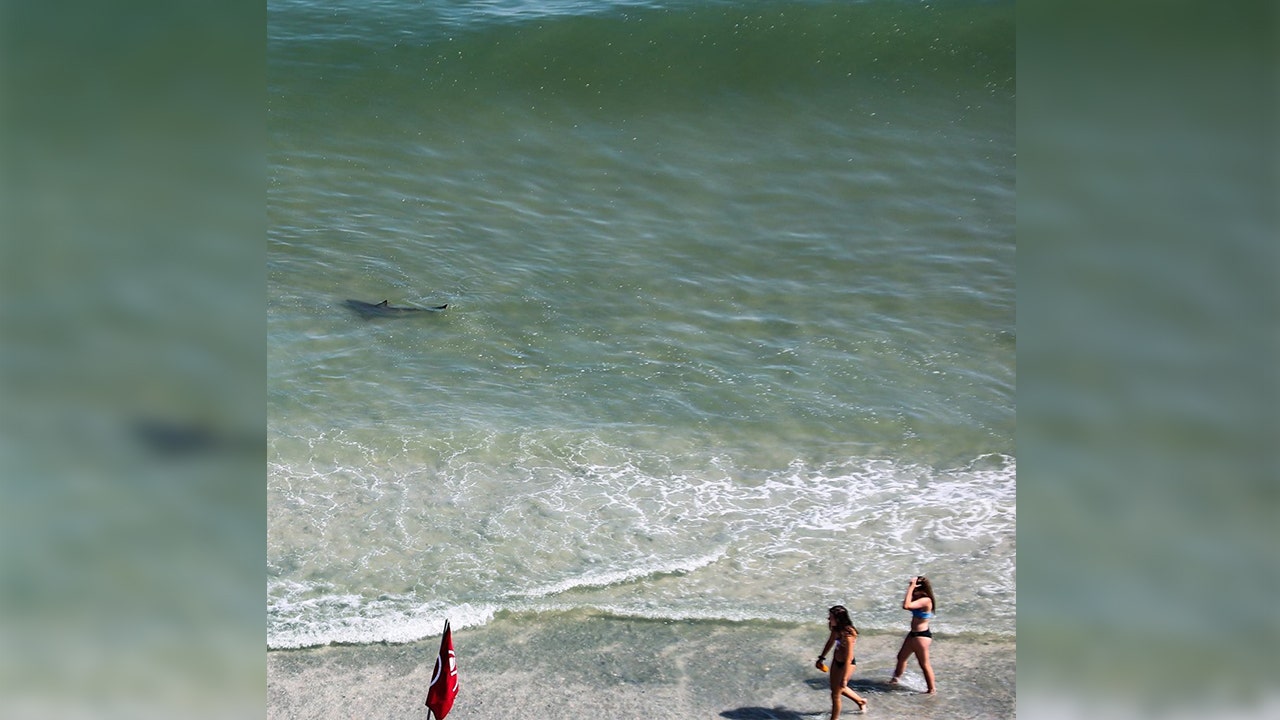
580,664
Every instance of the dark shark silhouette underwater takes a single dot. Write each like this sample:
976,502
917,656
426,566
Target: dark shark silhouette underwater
383,309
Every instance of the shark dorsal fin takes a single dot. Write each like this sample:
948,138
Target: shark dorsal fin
382,304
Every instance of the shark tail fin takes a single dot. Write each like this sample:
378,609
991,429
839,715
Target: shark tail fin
383,303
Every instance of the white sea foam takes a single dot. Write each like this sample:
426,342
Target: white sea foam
352,620
605,578
592,525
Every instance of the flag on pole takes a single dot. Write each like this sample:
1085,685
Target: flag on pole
444,681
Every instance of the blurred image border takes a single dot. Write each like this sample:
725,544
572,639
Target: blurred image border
1148,186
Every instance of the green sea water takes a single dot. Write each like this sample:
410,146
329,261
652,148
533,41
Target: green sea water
730,295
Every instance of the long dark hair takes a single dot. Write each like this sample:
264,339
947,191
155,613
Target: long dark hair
924,587
843,620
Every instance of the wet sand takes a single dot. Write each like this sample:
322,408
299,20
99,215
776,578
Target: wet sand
582,665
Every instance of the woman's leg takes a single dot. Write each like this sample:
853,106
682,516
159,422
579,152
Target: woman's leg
849,693
836,692
922,656
840,689
904,653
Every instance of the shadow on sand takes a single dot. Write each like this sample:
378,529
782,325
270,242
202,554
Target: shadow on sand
858,685
861,685
760,713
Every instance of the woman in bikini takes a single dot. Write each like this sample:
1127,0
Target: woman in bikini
919,600
840,643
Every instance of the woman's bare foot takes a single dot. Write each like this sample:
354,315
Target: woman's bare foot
862,705
893,680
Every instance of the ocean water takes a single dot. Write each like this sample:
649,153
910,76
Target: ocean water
730,329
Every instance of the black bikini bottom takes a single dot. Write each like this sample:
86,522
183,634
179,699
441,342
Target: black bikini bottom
920,633
852,661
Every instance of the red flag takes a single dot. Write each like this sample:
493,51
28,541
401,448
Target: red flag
444,681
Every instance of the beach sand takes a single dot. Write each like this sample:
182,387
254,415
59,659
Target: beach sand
584,665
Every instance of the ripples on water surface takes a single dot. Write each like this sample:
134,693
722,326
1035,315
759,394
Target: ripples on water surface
731,312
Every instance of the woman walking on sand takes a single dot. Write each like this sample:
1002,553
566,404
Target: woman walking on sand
919,600
840,643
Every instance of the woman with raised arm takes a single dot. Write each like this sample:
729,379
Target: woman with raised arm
919,600
840,643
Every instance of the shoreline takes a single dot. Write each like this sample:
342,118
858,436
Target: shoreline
579,664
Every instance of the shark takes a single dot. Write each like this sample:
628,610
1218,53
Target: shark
386,309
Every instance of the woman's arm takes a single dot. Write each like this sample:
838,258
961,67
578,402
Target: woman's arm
831,638
908,603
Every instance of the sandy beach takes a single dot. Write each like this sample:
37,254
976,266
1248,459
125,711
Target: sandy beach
581,665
